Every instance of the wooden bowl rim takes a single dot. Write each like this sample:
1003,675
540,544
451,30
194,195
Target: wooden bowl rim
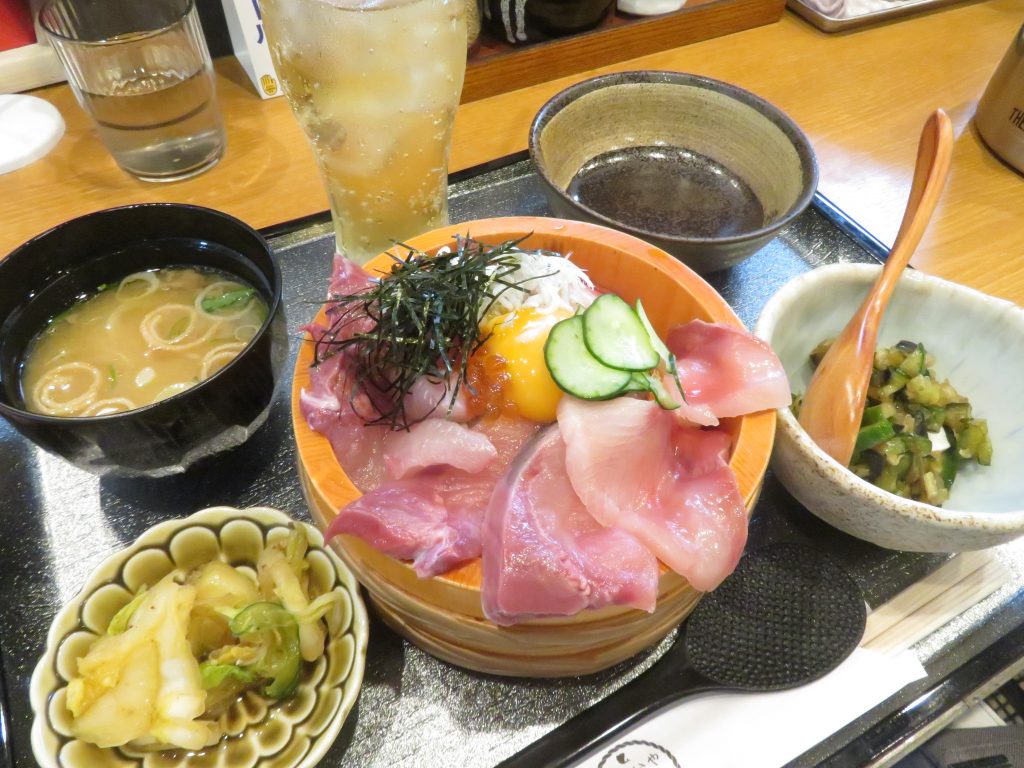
755,434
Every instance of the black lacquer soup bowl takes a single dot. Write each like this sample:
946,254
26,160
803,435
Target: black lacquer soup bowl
45,275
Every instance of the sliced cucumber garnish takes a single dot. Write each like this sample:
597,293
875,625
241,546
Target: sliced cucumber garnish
646,382
656,342
575,369
615,335
637,383
656,388
663,352
610,349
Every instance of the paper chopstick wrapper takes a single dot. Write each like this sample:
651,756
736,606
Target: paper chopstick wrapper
934,601
245,26
768,730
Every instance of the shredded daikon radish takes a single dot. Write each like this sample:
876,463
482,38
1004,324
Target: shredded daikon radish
544,281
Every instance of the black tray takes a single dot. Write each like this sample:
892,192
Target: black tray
58,523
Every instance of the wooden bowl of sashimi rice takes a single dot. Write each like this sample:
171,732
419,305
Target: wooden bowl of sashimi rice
553,545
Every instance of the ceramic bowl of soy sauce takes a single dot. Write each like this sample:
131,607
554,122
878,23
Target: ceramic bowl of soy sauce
53,271
698,167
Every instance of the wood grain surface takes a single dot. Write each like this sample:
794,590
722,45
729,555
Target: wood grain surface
860,96
618,40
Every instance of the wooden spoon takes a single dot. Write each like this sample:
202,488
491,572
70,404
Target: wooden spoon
834,403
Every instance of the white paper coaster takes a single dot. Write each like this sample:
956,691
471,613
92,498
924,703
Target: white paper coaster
29,128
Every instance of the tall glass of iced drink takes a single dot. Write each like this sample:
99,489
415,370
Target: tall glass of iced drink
374,84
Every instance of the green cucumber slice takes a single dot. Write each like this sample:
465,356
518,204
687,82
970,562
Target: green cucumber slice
637,383
575,370
656,342
645,382
663,352
872,434
661,395
616,336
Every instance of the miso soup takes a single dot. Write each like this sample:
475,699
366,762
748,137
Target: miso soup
150,336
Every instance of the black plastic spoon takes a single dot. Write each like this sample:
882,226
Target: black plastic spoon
787,616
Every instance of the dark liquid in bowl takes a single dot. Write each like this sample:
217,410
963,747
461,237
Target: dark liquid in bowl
668,190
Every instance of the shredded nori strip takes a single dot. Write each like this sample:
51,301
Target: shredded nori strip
425,322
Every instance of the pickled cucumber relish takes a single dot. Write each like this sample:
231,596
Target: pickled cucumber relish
917,430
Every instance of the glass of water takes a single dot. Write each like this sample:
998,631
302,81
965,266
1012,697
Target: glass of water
142,71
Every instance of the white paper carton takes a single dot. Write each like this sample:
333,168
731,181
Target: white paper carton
245,25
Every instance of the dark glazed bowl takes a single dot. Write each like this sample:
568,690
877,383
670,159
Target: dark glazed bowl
520,22
45,275
718,172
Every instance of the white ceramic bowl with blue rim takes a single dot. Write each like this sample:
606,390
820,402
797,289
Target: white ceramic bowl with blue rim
292,733
978,345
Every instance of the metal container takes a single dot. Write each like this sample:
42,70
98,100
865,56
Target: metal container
1000,114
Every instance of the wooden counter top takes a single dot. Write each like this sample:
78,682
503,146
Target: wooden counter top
861,97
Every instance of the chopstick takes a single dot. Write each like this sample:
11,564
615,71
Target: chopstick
5,720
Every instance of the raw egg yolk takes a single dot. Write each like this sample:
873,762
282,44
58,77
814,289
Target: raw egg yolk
517,339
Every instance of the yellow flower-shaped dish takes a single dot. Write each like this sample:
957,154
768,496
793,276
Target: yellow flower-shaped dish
259,733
